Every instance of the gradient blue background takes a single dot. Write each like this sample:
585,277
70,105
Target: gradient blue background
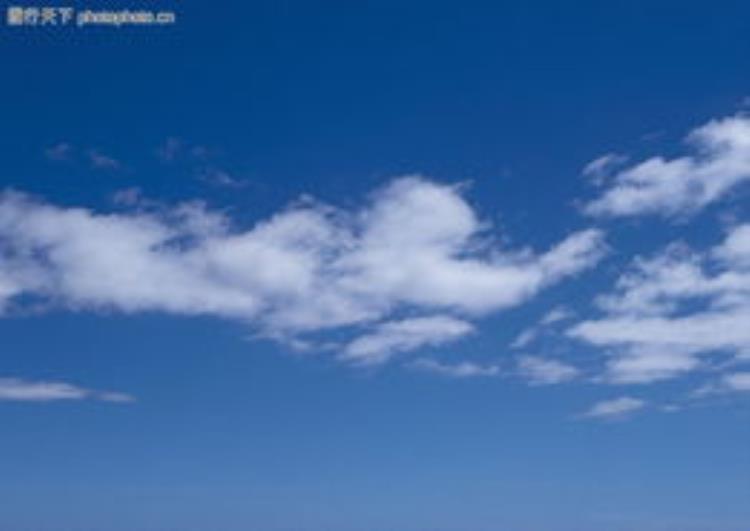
333,99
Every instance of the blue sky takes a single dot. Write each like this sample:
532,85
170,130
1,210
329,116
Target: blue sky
414,266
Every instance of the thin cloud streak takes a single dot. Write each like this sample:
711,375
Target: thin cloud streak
20,390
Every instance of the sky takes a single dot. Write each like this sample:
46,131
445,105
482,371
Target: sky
341,266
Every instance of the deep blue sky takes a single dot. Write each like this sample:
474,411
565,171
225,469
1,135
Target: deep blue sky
333,100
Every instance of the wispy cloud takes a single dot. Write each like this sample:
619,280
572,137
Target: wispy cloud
64,151
200,161
719,162
462,369
737,381
601,168
128,197
525,338
175,149
530,334
732,382
617,408
556,315
546,371
100,161
170,149
59,152
403,336
19,390
222,178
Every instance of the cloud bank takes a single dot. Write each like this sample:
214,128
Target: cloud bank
676,312
411,267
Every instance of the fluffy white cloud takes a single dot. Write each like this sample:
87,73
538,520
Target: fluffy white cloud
463,369
545,371
615,408
416,246
735,250
721,161
15,389
673,311
646,364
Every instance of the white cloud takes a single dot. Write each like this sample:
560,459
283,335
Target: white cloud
555,315
646,364
545,371
615,408
219,177
403,336
15,389
733,382
737,381
675,310
417,246
113,396
574,254
735,251
464,369
720,161
600,169
532,333
525,338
